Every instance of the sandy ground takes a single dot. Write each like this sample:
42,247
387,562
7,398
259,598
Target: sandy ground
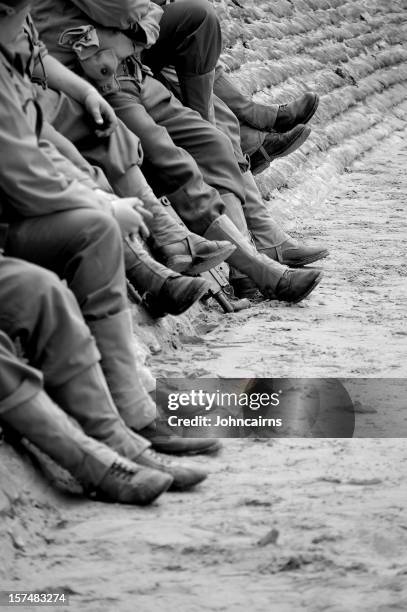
354,324
280,525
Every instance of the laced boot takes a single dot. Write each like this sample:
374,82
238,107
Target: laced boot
278,145
44,424
128,483
184,476
164,440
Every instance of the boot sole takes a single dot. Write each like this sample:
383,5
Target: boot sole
306,260
212,449
182,264
312,110
295,144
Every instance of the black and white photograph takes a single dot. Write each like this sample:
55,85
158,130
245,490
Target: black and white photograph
203,305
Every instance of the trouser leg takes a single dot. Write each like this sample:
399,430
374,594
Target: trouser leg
115,154
169,169
27,408
86,397
39,312
42,314
257,116
190,40
266,232
85,248
211,150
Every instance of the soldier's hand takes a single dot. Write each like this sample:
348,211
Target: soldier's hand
131,215
101,112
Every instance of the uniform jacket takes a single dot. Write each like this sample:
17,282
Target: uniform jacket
35,179
138,18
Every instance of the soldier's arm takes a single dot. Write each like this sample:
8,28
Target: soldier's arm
30,180
123,14
61,78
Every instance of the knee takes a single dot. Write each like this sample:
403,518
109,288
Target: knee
202,12
34,281
98,229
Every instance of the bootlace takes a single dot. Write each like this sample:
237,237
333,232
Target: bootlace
159,458
122,470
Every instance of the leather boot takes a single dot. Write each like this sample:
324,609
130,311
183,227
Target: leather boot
87,398
298,111
96,466
273,280
177,295
294,254
197,93
144,272
114,339
258,116
278,145
268,235
194,254
164,291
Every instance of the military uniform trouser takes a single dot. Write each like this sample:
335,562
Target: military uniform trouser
28,409
118,155
175,141
265,231
84,247
190,39
40,314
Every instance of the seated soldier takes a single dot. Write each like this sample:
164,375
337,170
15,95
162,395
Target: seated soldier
201,211
60,223
264,129
63,376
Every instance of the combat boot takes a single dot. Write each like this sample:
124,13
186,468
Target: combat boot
294,254
194,254
277,145
164,291
128,483
296,112
266,118
274,280
44,424
184,476
164,440
268,235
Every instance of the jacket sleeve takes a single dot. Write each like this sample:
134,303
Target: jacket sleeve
29,179
123,14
